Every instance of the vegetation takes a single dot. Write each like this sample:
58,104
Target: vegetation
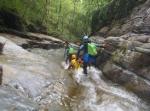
115,10
65,18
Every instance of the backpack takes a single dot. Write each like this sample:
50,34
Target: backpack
92,49
71,50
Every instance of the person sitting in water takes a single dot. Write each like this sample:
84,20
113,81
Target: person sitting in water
74,64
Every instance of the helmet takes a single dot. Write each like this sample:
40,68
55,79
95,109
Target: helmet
85,39
66,42
74,56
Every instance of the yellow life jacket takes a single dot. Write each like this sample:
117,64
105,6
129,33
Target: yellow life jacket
75,64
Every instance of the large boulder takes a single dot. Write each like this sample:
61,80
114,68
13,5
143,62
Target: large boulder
128,79
12,100
126,60
138,21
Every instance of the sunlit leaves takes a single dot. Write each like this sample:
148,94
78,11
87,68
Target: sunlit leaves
65,17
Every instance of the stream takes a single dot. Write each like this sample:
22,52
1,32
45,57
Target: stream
73,91
35,80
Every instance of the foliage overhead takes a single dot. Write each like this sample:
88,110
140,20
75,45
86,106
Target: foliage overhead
68,18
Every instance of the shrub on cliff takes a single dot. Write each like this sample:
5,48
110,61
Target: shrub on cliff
115,10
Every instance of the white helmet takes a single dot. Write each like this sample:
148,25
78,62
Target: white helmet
85,39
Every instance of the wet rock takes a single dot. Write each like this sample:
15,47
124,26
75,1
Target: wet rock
44,45
34,40
128,63
143,50
142,38
12,100
129,47
33,36
2,47
136,22
135,61
146,46
21,68
103,31
149,40
103,57
128,79
136,43
29,74
115,31
113,43
97,39
1,75
113,40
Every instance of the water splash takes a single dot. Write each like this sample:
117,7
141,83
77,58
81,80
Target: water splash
99,94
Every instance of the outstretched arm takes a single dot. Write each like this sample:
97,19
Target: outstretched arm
80,49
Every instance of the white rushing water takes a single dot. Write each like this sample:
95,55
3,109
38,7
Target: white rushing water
39,76
75,91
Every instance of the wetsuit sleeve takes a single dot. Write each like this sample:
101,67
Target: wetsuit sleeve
79,50
66,52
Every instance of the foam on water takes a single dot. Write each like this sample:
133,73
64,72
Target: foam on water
101,95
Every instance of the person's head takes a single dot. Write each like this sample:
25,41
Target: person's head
85,39
66,43
73,56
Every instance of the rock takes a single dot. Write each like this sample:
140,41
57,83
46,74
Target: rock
127,36
34,40
129,61
115,31
136,44
1,75
128,79
97,39
33,36
137,22
103,31
44,37
142,38
103,57
43,45
1,47
146,46
12,100
22,68
114,40
149,40
29,75
142,50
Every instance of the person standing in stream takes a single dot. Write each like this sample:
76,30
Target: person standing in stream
89,53
69,50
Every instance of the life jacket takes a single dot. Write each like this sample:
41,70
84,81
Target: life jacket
75,64
71,50
92,49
